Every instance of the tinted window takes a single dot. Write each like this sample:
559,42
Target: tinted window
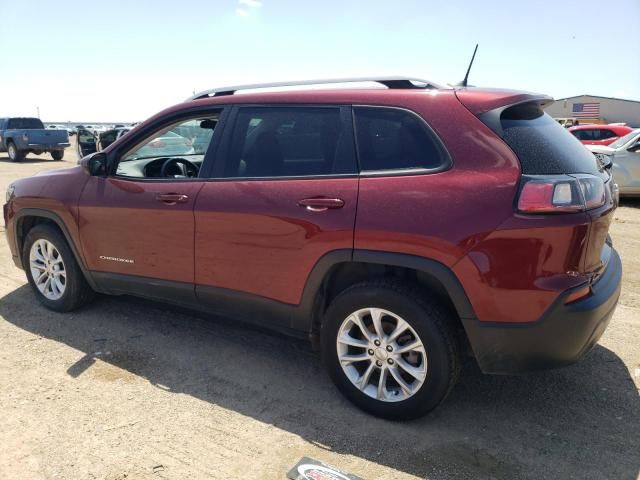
25,124
605,133
395,139
583,134
542,145
290,141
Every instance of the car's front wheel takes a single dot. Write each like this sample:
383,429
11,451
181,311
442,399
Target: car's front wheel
390,349
52,270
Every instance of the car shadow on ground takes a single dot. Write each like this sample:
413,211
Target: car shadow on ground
632,202
582,421
31,160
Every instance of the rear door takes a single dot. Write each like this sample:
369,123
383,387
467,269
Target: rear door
282,195
107,138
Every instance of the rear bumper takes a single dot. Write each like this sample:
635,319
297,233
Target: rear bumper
47,146
563,335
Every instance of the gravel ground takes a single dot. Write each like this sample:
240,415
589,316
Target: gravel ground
129,389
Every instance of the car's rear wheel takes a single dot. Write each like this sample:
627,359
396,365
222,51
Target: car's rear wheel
15,155
57,154
52,270
390,349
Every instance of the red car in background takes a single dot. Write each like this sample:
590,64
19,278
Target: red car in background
599,134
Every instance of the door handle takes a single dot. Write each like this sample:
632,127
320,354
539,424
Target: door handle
172,198
321,204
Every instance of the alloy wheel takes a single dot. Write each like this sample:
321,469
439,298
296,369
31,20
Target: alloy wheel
47,269
381,354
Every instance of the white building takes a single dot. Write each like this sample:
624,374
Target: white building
594,109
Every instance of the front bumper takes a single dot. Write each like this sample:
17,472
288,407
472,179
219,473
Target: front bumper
563,335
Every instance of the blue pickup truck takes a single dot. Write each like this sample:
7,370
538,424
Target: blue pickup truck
20,136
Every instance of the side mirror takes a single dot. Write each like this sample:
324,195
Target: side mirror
95,165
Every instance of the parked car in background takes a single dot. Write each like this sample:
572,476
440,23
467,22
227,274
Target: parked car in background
22,135
395,228
624,155
90,142
567,122
170,141
599,134
70,130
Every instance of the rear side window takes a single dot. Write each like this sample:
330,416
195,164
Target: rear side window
393,139
542,145
583,134
24,124
605,133
290,142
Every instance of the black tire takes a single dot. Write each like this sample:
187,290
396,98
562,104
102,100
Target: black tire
77,291
432,322
15,155
57,154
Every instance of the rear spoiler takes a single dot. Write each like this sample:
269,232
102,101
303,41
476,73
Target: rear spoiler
488,104
482,100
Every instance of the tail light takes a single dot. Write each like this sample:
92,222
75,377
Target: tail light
560,193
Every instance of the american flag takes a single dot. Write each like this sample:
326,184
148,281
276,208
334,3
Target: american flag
586,110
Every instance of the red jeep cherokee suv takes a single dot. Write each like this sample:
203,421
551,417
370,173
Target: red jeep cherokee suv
397,227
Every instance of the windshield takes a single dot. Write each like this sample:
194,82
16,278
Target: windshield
623,140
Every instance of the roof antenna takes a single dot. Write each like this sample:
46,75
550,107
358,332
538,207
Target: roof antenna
463,83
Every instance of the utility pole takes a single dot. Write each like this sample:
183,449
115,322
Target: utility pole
38,110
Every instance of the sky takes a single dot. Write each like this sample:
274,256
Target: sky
126,60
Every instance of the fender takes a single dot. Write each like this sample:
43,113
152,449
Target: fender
303,320
436,269
37,212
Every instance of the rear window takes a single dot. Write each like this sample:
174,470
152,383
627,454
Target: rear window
24,124
542,145
393,139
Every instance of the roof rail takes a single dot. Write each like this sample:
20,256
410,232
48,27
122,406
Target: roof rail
389,82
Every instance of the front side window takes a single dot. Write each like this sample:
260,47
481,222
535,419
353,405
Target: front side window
175,151
392,139
289,142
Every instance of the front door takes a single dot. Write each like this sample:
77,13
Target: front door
86,143
137,223
283,195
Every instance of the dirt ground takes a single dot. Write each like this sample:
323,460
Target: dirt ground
129,389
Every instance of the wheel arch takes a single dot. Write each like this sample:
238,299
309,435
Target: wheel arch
27,218
339,269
